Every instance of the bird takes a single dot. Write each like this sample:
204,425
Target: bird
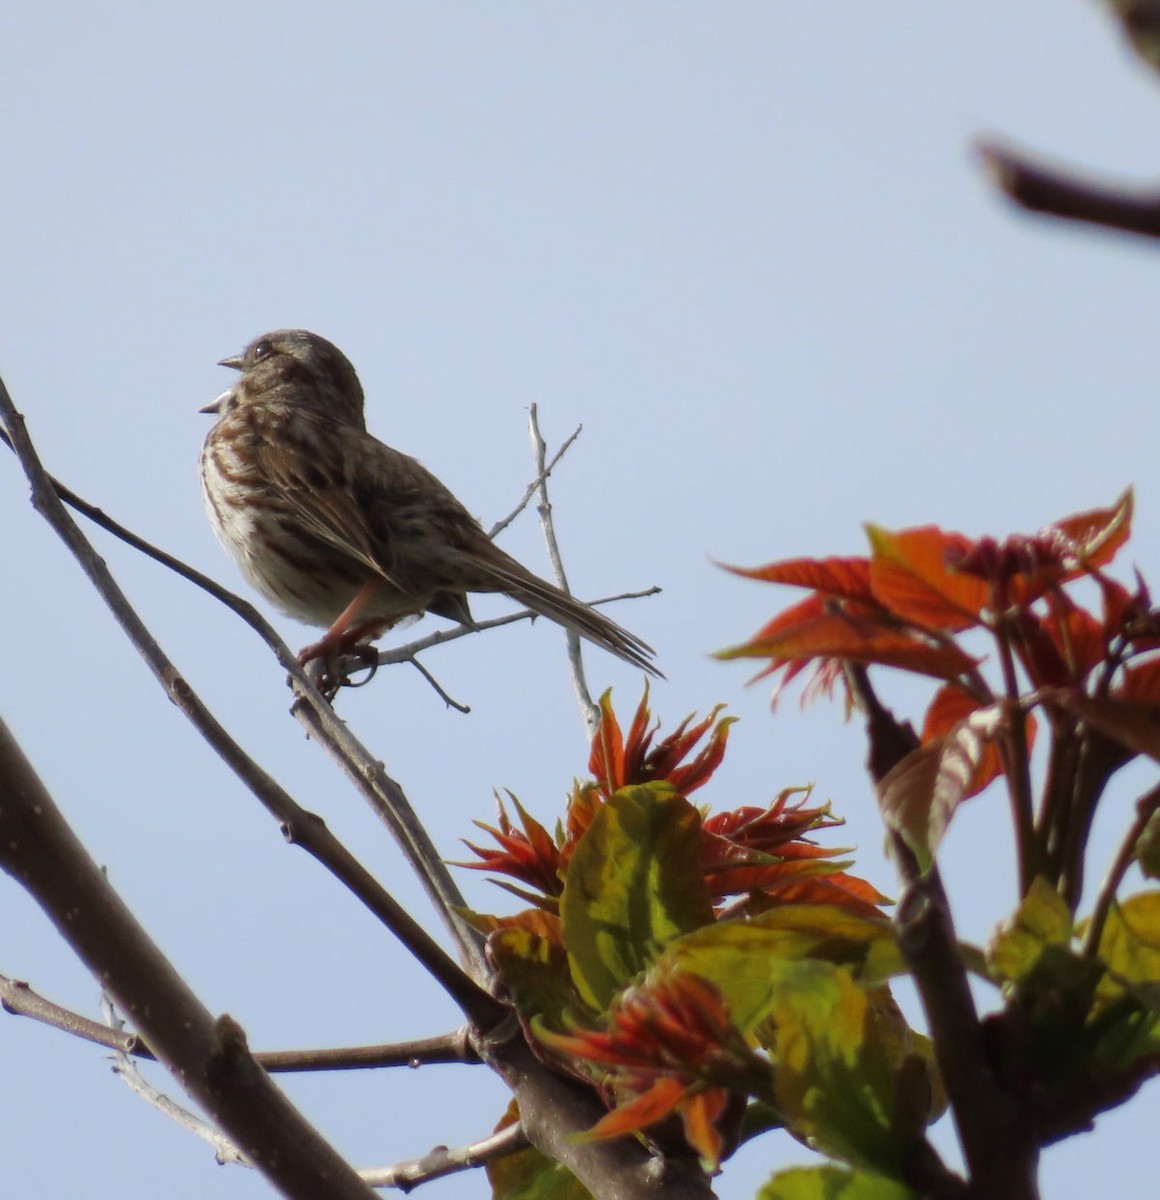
338,529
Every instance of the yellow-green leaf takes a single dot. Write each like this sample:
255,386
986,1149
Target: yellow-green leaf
534,969
1130,944
833,1080
634,883
747,959
832,1183
1042,919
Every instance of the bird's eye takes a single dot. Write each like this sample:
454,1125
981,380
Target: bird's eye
261,350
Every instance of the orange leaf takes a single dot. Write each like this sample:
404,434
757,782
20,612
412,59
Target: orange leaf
846,578
646,1109
909,575
860,639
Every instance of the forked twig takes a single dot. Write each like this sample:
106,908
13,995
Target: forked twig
589,713
534,486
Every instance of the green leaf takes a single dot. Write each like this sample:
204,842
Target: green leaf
833,1078
634,883
1042,919
832,1183
747,960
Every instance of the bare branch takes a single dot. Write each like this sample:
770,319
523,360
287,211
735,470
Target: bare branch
589,713
443,1161
209,1056
534,486
225,1150
17,998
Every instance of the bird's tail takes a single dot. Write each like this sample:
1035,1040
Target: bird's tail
549,601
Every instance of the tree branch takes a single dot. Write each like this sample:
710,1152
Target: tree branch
442,1161
209,1057
588,710
997,1138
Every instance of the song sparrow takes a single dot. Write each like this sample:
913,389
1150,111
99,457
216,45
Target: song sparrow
340,530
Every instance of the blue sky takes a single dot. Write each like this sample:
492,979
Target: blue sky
746,245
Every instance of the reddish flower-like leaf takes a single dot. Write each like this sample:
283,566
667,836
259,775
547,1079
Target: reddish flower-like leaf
1141,683
669,1049
617,761
1062,647
766,856
528,854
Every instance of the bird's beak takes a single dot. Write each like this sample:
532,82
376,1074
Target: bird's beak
215,406
234,361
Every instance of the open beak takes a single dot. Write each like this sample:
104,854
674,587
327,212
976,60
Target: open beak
215,406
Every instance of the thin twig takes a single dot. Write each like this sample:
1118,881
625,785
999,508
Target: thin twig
440,691
19,999
225,1149
534,486
589,713
443,1161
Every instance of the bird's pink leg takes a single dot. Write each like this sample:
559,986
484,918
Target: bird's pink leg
347,631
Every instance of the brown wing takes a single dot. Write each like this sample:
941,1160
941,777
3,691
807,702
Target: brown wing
371,502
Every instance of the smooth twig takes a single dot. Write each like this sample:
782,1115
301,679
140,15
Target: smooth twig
407,653
589,712
534,486
225,1149
19,999
444,1161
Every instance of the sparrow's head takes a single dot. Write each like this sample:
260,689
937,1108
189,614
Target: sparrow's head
294,367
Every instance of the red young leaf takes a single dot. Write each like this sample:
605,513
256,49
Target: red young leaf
618,762
859,638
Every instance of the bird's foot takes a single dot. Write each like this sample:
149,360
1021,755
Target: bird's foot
334,659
